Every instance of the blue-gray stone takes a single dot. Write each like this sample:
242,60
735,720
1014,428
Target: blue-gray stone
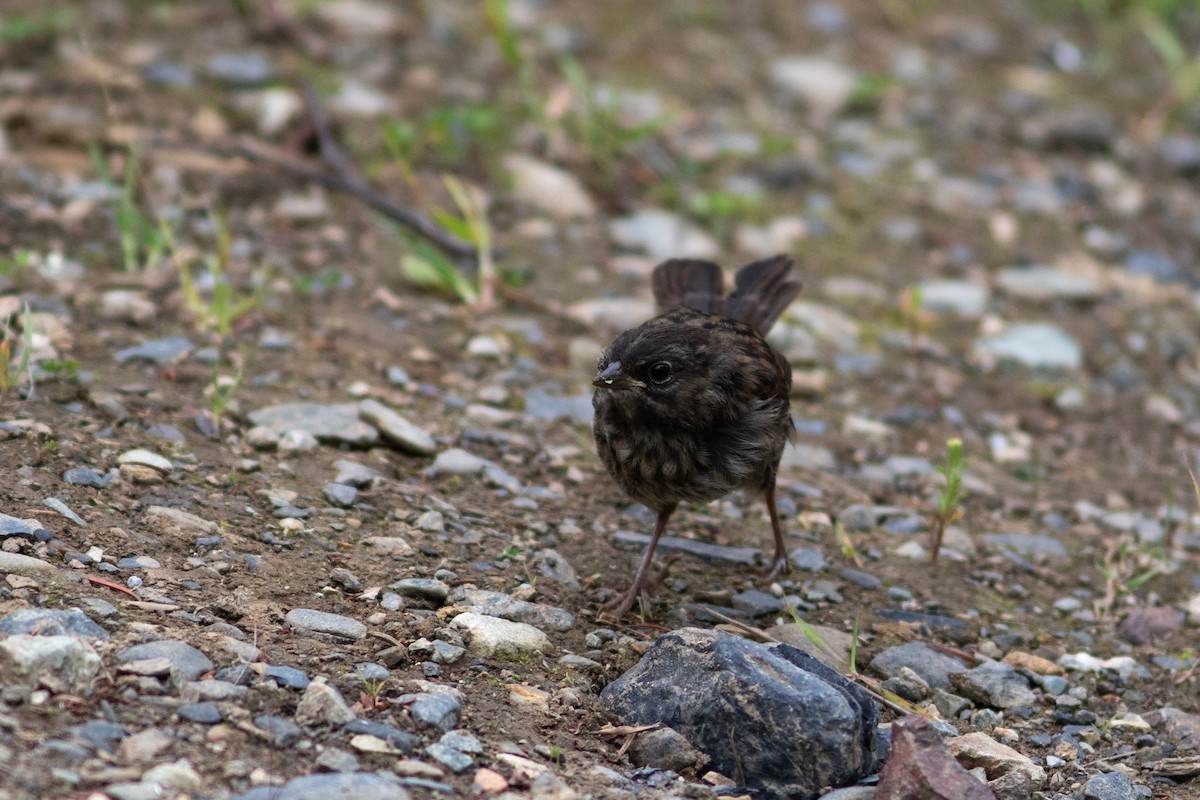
539,404
340,494
808,559
933,666
187,663
1158,266
1029,544
439,711
288,677
449,758
138,562
239,69
862,579
168,73
1110,786
82,476
757,691
52,622
337,625
204,713
284,732
331,786
158,351
1037,345
757,603
403,741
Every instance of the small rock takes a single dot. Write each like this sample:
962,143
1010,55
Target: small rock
59,663
1036,345
324,622
920,765
397,430
823,86
438,711
323,704
492,637
663,234
185,662
548,189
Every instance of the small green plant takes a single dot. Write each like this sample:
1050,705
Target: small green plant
225,305
18,27
510,553
722,210
66,370
146,240
1182,67
1125,569
448,135
593,122
556,755
220,395
16,261
950,496
11,370
427,267
843,539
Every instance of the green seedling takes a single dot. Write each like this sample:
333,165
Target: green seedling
219,311
950,497
11,370
1125,569
220,395
428,268
19,27
16,261
146,241
723,210
848,549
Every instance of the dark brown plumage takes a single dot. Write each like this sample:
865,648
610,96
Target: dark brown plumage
693,404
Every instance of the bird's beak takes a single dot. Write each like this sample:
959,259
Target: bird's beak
611,377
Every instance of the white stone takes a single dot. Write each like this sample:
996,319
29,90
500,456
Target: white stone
547,188
492,637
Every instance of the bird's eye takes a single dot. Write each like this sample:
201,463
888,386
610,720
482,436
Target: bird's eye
660,372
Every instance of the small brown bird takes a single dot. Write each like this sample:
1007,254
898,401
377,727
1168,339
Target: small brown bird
693,404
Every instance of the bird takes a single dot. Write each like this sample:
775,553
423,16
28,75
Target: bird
694,403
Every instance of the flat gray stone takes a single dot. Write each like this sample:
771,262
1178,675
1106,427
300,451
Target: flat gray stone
338,422
1027,544
499,604
158,351
52,622
663,234
186,662
23,565
933,666
1037,345
331,786
711,552
397,430
1044,283
323,622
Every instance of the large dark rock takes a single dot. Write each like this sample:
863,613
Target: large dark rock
772,718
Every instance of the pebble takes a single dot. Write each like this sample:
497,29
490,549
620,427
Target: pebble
337,423
58,663
1029,544
1037,345
145,458
429,589
82,476
185,663
663,234
323,704
56,622
548,189
492,637
439,711
504,606
289,677
966,299
340,495
159,351
359,785
323,622
397,430
933,666
456,461
807,559
239,69
821,85
1043,283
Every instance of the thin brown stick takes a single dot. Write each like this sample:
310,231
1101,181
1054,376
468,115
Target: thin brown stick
256,153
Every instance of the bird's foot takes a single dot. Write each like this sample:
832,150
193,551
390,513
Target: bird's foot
640,589
780,566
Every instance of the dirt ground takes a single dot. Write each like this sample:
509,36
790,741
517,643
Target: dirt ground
330,283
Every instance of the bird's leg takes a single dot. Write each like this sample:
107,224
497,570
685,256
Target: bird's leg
781,563
641,584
